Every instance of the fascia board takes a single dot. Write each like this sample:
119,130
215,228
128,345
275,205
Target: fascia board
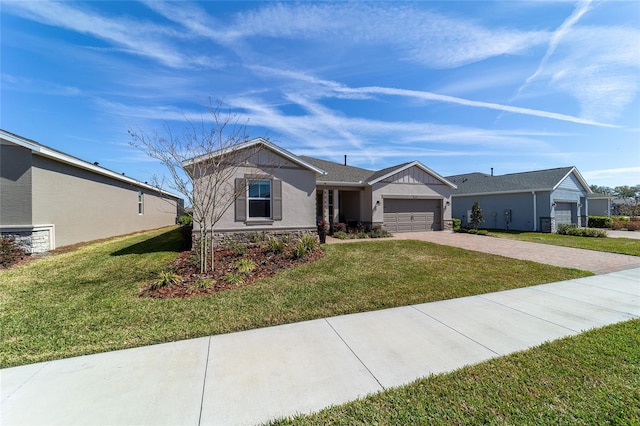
332,183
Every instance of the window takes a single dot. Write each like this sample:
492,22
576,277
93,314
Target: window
140,202
259,198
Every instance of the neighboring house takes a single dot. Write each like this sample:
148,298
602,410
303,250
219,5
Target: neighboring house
50,199
403,198
530,201
281,192
599,205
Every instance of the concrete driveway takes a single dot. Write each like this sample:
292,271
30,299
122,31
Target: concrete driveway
586,260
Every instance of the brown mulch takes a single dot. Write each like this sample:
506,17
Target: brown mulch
266,262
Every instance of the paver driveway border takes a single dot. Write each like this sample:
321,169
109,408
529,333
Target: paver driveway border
586,260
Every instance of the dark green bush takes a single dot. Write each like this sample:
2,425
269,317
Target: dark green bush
456,224
600,222
340,235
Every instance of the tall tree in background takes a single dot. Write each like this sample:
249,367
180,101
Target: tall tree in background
476,215
202,162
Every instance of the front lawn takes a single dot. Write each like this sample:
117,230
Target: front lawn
85,301
627,246
588,379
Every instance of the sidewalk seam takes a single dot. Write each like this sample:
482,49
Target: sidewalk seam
356,355
204,382
457,331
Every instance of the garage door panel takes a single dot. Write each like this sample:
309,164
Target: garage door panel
564,213
406,215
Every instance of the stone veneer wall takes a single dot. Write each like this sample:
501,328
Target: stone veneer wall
250,236
33,240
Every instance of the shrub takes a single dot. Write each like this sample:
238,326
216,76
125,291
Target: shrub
165,278
309,242
286,238
10,253
563,228
340,235
258,237
185,220
570,229
238,248
233,279
456,224
600,222
203,283
245,266
378,232
339,227
299,250
275,245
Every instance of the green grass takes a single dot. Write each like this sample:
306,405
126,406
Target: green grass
85,300
627,246
592,378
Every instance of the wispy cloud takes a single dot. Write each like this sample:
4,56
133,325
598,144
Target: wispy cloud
581,9
361,92
28,85
133,36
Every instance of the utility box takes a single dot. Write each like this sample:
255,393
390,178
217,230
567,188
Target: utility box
507,216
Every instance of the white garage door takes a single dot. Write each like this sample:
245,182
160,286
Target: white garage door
412,215
564,213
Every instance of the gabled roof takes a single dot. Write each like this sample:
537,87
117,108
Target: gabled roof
390,171
45,151
345,174
254,143
539,180
340,173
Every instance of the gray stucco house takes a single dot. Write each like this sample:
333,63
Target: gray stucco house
280,192
402,198
50,199
531,201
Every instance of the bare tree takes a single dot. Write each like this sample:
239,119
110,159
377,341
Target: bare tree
202,162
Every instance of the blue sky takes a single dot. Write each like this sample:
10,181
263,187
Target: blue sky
460,86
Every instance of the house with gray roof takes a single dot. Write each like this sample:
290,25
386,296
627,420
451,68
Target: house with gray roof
530,201
401,198
277,192
50,199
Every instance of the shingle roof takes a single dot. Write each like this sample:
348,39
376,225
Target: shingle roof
479,183
337,172
383,172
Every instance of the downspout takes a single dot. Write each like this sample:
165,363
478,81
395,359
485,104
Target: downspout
535,212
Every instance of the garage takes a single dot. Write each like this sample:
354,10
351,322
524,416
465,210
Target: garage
411,215
564,213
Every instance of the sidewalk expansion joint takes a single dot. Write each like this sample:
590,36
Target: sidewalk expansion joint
204,382
356,355
457,331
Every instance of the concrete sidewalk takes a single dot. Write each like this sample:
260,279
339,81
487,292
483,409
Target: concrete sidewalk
257,375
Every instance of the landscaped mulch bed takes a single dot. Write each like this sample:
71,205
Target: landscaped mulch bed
266,262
